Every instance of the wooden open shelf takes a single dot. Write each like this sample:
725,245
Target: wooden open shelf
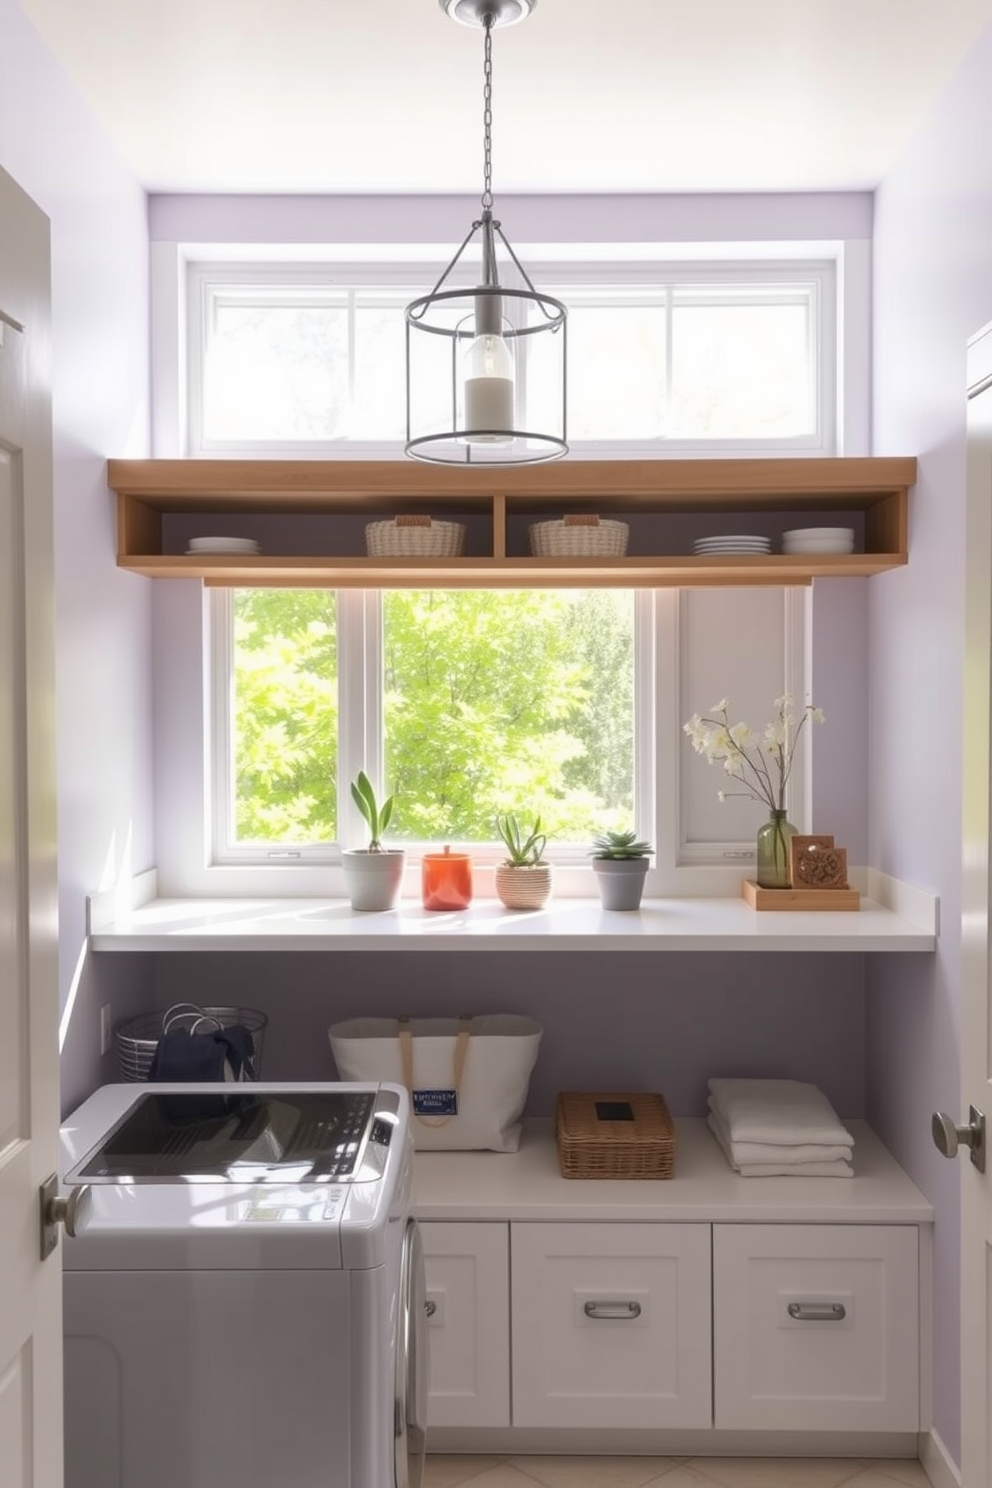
309,516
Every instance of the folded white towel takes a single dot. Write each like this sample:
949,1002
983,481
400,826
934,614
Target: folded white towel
777,1152
786,1112
780,1170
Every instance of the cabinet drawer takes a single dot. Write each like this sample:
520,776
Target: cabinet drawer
468,1325
816,1327
611,1325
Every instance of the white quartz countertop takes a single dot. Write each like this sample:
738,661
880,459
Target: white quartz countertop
527,1185
563,925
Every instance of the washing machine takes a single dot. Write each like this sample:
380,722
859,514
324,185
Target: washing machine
244,1291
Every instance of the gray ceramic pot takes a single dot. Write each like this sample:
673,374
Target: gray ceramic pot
373,880
620,881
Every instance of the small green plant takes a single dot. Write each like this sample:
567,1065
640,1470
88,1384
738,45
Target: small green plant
376,816
521,851
616,845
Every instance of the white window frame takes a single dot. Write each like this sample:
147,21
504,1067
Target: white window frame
210,283
195,672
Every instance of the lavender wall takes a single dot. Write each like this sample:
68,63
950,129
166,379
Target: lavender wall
933,289
632,1021
53,148
810,217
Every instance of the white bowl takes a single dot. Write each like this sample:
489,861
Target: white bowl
816,534
222,545
818,547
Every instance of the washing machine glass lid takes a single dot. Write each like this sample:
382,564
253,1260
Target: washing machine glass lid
198,1136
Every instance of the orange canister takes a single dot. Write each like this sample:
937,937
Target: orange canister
446,880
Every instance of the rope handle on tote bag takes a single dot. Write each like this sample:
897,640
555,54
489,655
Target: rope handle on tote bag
458,1063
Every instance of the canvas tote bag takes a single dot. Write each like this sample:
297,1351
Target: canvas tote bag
467,1077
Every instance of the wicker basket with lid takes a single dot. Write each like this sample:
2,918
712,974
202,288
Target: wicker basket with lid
584,535
614,1135
415,536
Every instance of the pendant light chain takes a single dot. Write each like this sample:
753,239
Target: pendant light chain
487,118
486,363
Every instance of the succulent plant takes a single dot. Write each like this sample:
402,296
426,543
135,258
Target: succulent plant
620,845
522,851
377,817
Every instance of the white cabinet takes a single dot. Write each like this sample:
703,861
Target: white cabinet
468,1324
610,1325
682,1315
816,1327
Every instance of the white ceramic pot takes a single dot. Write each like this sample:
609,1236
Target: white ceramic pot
522,887
620,881
373,879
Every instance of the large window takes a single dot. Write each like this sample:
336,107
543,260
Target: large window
297,359
473,703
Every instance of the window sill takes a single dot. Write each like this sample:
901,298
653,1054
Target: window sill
722,924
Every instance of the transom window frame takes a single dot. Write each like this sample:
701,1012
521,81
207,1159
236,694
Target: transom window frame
211,283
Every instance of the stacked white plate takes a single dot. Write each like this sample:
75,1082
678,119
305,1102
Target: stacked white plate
714,547
818,540
223,545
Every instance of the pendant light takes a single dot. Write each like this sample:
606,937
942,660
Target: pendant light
485,364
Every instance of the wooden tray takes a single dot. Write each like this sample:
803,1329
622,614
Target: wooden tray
799,898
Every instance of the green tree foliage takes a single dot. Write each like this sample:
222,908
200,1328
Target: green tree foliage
490,705
285,715
493,702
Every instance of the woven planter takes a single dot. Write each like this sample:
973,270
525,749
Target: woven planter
584,536
524,887
415,537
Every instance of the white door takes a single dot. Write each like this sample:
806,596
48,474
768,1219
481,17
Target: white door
976,1023
30,1289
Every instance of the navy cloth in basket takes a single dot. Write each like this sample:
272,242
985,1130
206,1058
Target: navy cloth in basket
215,1054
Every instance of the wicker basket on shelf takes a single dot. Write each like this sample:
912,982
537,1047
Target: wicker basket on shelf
610,1135
582,536
415,537
137,1038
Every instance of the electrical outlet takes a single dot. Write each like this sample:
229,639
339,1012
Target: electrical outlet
106,1028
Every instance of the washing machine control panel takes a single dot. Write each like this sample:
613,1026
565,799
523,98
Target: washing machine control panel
211,1135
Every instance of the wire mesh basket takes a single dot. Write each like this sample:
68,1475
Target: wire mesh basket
584,535
137,1038
414,536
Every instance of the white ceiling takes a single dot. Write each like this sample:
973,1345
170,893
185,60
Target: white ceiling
589,95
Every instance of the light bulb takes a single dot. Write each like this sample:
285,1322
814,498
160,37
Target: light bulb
488,368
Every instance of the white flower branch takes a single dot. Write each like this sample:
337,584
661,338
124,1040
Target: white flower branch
761,765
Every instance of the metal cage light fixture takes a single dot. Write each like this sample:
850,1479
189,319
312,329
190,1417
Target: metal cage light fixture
486,364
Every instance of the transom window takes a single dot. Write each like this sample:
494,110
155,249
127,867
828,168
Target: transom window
297,359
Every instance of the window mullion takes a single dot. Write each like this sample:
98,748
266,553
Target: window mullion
221,694
359,702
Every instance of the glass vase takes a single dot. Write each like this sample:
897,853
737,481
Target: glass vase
772,851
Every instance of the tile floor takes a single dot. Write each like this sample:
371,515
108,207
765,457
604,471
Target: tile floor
671,1472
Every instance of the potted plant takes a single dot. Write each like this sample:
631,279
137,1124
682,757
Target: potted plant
620,863
523,879
373,875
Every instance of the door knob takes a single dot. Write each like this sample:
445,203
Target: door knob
948,1137
72,1211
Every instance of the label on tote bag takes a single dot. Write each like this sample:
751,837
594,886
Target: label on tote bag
435,1102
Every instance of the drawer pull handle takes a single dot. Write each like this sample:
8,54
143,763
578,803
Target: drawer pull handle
616,1311
430,1307
817,1312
